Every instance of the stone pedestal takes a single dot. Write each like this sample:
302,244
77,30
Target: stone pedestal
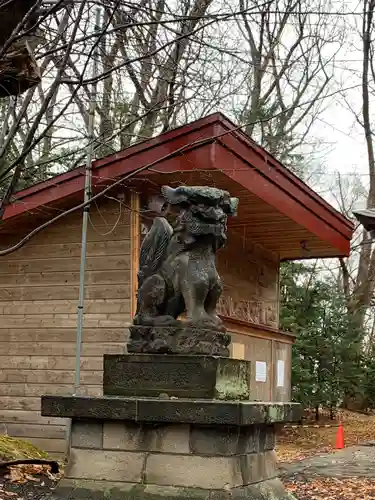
153,375
168,446
178,339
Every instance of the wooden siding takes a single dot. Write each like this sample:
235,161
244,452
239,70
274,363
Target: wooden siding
251,284
268,350
38,311
251,295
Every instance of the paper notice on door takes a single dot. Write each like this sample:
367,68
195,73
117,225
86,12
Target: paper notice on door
280,373
261,371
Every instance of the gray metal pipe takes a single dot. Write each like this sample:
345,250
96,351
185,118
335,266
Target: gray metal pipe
85,219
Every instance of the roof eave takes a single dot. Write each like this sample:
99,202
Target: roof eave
274,183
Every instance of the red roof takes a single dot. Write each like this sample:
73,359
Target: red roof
276,209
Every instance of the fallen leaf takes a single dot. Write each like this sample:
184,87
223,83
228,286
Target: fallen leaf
332,489
304,442
28,477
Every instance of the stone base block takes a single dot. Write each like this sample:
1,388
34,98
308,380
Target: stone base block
152,375
127,460
170,410
151,448
72,489
178,339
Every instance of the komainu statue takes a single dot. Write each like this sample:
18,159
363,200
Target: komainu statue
177,275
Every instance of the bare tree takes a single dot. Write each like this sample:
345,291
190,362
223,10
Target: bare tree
161,64
358,272
291,48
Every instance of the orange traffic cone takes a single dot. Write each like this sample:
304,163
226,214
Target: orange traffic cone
340,438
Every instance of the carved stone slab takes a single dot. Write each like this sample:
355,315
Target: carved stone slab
176,376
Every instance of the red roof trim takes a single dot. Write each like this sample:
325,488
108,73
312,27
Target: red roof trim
294,197
111,167
265,188
225,125
273,174
160,140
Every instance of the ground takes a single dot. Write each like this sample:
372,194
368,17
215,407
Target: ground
295,443
311,468
24,482
346,474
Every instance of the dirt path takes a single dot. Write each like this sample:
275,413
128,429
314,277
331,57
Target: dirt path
356,461
348,474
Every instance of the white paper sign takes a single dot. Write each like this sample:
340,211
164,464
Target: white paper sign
280,373
260,371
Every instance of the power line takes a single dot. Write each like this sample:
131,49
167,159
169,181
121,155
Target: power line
180,150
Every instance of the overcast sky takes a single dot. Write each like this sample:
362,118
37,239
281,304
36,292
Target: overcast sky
343,148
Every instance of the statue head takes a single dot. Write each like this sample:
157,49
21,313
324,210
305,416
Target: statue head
203,211
201,196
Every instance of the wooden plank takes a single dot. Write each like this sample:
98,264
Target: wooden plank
49,362
11,376
28,431
250,285
26,403
238,350
106,225
259,350
61,348
57,250
257,333
74,235
67,292
63,278
107,214
63,321
40,265
282,352
32,307
33,417
36,334
22,390
135,248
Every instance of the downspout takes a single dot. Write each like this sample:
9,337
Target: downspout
85,219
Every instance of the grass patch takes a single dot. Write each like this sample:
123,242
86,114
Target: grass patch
13,449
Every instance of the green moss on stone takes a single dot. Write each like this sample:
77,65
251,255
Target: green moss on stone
276,413
233,380
13,449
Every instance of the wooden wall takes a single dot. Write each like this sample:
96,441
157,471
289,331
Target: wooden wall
251,284
38,317
251,297
264,348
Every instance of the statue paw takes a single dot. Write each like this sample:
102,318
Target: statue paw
145,320
204,320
